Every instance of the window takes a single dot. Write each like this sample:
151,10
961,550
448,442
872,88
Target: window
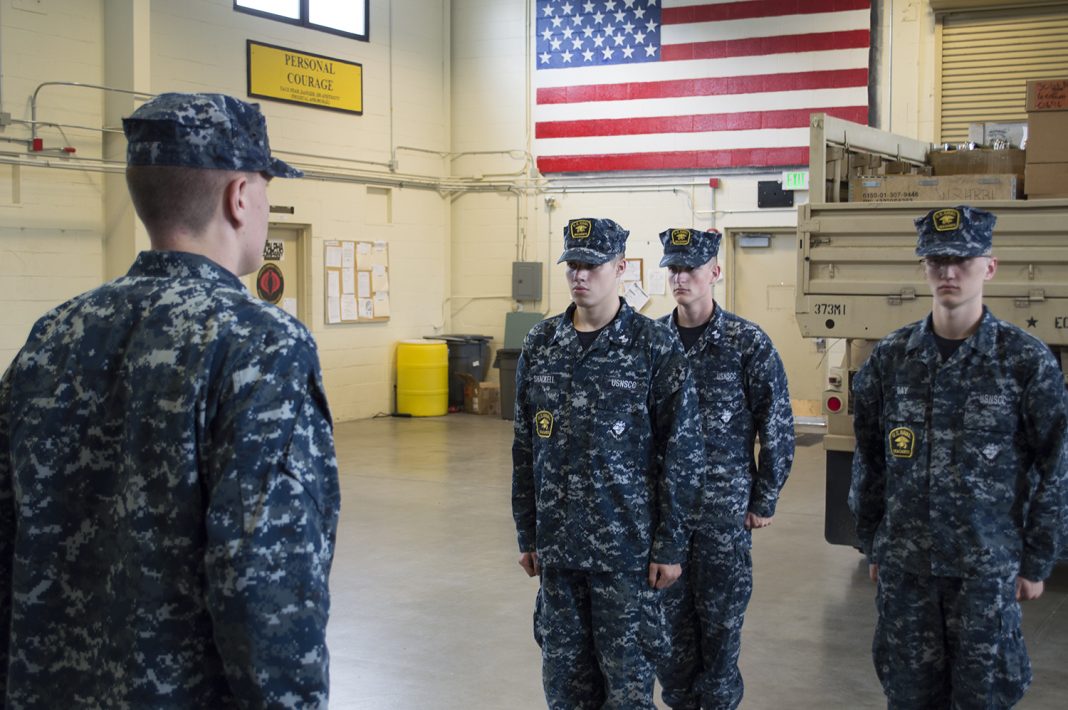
343,17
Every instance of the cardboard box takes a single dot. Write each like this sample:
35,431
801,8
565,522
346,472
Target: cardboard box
1047,140
1013,133
1047,180
984,161
955,189
1047,95
481,397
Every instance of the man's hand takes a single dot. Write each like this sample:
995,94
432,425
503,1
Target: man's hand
529,562
873,573
754,521
1026,590
663,576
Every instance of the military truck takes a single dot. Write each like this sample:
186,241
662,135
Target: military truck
858,278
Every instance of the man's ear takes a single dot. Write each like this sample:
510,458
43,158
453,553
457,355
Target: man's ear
991,268
235,201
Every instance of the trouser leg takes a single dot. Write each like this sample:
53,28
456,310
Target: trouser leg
563,628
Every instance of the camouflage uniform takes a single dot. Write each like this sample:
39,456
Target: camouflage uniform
606,470
742,389
168,493
957,489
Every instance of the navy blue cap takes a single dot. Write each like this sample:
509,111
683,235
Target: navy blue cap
593,241
955,231
210,131
689,247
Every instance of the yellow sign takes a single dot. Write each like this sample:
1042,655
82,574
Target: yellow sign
902,442
303,78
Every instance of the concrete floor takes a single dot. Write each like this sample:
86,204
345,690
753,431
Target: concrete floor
431,611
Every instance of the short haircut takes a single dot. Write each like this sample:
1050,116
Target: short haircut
168,199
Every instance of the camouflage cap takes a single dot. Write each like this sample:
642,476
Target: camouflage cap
689,247
592,241
955,231
210,131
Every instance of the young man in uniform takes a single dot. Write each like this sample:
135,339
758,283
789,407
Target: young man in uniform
607,465
958,481
168,486
741,385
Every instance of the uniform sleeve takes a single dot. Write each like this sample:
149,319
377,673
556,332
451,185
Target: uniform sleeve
7,526
271,526
867,490
523,501
1045,422
680,449
769,403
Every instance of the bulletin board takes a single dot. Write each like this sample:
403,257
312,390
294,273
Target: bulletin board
356,281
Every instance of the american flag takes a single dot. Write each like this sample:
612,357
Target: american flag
693,84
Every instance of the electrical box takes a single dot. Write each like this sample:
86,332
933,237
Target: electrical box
526,280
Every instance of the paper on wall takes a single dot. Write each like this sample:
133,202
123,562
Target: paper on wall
379,278
658,282
348,255
348,307
635,296
333,284
333,256
366,307
382,304
348,280
363,279
333,309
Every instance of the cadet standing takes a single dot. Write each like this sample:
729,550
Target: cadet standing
958,481
606,468
168,486
742,389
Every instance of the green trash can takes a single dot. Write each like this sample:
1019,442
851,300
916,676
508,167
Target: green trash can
507,360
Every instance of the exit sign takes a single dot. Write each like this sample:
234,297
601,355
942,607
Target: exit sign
795,180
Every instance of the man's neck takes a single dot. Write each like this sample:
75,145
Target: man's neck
696,313
957,323
592,318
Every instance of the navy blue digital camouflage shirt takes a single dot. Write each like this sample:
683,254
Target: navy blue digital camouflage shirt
960,466
741,385
168,500
607,456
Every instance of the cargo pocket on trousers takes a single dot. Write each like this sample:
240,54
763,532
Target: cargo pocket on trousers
537,619
653,628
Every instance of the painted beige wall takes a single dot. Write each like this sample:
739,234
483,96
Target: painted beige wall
441,76
51,245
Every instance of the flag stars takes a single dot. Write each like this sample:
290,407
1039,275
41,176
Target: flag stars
587,55
628,3
576,43
629,27
566,56
567,8
619,38
650,50
628,51
555,44
548,10
607,52
587,7
620,15
577,20
547,34
610,5
639,37
650,25
639,13
568,32
545,57
598,18
598,40
586,31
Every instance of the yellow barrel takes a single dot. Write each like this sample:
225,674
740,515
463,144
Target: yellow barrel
423,378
